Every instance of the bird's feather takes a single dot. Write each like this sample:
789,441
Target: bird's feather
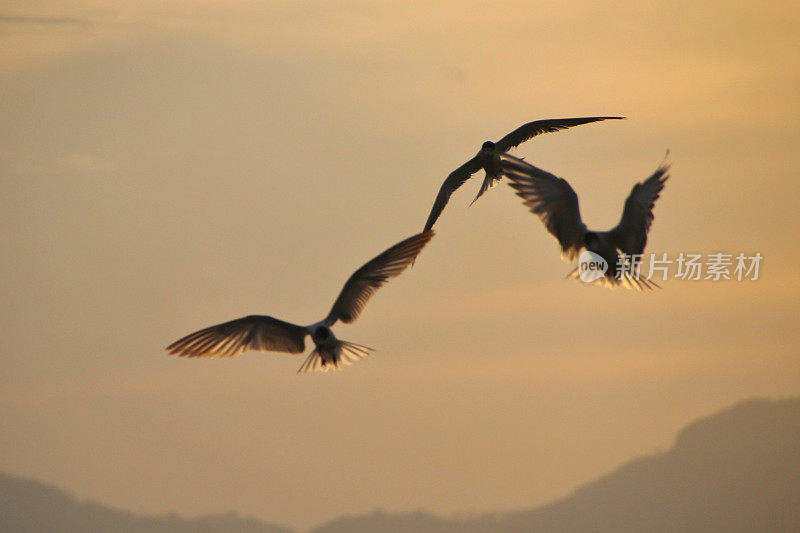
453,181
343,352
630,235
254,332
373,275
537,127
550,198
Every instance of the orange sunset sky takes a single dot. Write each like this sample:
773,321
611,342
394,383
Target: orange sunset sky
168,165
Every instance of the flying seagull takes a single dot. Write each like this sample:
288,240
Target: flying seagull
268,334
556,204
488,159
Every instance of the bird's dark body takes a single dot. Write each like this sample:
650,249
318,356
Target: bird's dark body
554,201
327,346
269,334
488,159
597,243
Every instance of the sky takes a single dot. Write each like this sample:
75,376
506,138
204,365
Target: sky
170,165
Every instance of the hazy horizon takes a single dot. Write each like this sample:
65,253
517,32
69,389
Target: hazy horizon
732,468
169,165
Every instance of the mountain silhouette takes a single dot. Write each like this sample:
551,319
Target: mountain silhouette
737,470
32,507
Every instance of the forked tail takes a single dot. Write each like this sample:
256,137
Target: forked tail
628,281
342,352
488,182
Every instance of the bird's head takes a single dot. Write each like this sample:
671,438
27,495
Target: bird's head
322,334
488,146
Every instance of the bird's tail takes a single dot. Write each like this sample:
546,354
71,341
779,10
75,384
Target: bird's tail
488,182
342,352
628,281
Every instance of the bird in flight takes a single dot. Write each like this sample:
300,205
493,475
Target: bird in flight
553,200
265,333
488,159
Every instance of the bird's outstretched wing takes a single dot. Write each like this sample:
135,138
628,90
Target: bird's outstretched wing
373,275
550,198
532,129
254,332
630,235
455,180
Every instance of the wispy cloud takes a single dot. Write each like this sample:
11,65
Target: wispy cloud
43,21
90,163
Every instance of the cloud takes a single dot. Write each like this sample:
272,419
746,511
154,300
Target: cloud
90,163
43,21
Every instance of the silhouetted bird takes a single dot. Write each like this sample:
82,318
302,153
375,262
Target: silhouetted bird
264,333
487,159
556,204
